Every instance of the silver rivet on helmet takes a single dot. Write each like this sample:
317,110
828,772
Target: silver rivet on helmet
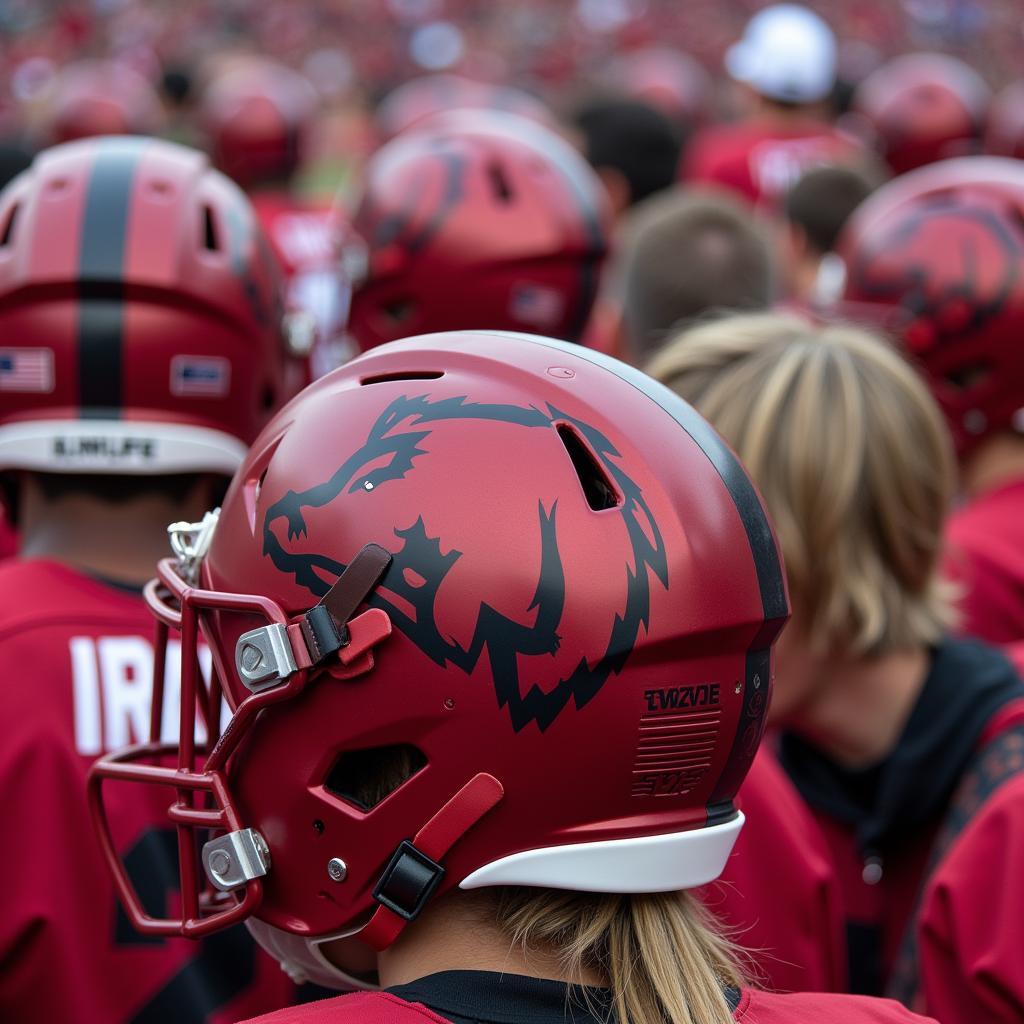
337,869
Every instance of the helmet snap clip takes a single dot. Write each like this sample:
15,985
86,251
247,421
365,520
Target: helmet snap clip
236,858
264,657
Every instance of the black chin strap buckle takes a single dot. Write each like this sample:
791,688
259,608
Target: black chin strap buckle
408,881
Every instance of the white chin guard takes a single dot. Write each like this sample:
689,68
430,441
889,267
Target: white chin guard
301,959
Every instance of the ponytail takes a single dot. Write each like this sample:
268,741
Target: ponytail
663,959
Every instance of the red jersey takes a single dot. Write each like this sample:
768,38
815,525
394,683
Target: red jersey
971,921
480,997
986,556
928,844
305,240
779,894
76,665
760,159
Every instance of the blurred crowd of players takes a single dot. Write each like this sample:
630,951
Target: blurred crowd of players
701,189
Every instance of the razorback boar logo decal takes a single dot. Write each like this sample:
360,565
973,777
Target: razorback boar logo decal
392,448
951,266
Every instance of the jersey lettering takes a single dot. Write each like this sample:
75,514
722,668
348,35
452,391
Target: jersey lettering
776,165
112,686
85,682
303,238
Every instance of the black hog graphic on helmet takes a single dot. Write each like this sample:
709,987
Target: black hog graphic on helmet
947,265
422,562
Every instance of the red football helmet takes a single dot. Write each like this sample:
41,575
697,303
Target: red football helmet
478,219
529,570
673,81
256,116
429,95
1005,134
101,97
935,257
924,107
140,314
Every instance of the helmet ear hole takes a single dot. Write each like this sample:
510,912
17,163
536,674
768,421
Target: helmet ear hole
365,778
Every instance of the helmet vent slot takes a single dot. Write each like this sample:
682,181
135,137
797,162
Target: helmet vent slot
365,778
5,238
597,488
500,183
383,378
211,242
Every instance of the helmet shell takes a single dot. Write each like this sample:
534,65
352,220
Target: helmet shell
581,617
935,257
924,107
140,312
478,220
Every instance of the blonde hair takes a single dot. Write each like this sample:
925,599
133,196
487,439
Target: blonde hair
854,462
664,961
662,955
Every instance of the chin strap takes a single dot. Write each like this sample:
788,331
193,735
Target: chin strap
414,872
266,657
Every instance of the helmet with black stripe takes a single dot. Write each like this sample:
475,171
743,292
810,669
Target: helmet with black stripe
488,609
140,314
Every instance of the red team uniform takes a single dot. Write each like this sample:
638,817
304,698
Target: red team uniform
779,894
761,160
787,57
934,255
477,997
76,657
305,239
902,832
986,556
142,337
